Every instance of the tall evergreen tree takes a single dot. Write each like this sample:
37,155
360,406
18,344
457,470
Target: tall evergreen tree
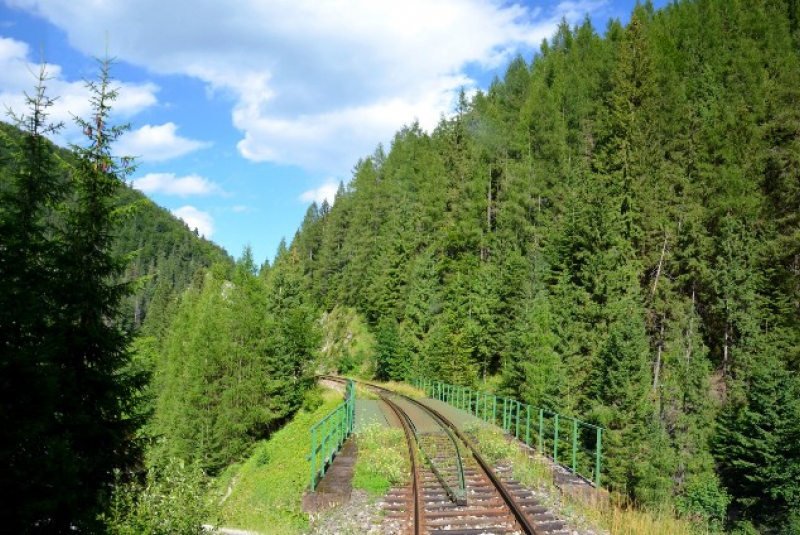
60,324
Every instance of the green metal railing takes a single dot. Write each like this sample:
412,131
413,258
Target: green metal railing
563,438
328,435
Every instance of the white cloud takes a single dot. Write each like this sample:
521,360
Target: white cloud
326,191
71,97
316,84
196,219
169,184
157,143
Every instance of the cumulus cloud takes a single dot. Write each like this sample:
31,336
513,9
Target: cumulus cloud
196,219
326,191
169,184
71,97
316,84
157,143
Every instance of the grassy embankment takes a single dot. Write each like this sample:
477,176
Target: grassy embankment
264,493
613,513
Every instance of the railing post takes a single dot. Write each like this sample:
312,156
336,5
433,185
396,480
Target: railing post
313,458
555,443
516,427
574,443
505,416
528,424
541,431
598,448
494,409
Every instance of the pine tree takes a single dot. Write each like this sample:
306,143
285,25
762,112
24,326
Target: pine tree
29,353
97,388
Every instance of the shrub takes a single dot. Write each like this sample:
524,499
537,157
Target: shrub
173,500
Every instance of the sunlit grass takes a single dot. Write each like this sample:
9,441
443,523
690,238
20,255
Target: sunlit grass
595,509
264,493
364,392
382,459
401,388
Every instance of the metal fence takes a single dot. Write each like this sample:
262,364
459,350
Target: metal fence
572,443
328,435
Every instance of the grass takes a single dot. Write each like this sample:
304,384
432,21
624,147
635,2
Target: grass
608,512
401,388
363,392
264,493
382,459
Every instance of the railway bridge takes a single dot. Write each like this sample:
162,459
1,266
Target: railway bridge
452,488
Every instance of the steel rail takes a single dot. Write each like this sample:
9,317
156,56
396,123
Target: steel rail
517,511
459,497
415,477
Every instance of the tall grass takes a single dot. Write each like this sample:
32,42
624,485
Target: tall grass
593,509
401,388
382,459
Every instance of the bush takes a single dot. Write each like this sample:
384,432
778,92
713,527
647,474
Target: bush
705,499
173,500
312,399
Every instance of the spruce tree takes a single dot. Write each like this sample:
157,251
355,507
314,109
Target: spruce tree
97,416
33,188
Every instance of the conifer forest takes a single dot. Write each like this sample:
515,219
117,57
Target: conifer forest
611,230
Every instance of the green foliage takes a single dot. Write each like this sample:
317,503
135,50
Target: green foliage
392,358
264,492
613,227
348,345
757,445
382,459
71,393
235,364
312,399
704,498
174,499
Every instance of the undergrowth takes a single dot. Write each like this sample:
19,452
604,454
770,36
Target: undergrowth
611,513
382,459
363,392
264,493
401,388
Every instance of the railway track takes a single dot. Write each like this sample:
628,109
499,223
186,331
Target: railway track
455,491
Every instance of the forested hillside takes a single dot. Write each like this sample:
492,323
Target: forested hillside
73,390
612,229
163,253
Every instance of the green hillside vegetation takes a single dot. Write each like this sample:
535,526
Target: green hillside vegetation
235,363
612,231
69,392
348,344
162,254
266,489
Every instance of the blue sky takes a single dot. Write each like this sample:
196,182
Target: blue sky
243,112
